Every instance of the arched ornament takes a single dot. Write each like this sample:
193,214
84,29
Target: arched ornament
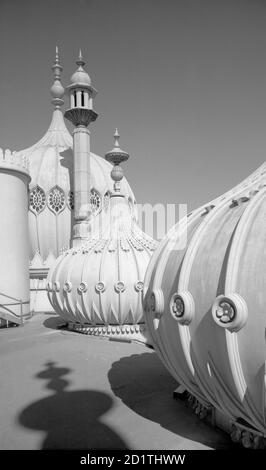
56,200
37,200
95,201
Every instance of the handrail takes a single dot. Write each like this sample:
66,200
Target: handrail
9,297
18,302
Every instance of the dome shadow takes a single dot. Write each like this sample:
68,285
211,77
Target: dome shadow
71,419
145,386
55,322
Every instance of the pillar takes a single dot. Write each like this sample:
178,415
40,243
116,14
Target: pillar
81,149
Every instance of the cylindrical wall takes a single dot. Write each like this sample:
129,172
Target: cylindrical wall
14,243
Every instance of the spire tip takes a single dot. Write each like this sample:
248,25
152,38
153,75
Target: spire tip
80,62
57,89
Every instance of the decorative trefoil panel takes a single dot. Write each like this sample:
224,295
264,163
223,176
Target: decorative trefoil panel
56,200
95,201
37,200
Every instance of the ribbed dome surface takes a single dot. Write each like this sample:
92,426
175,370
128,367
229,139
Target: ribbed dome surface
80,77
205,302
51,198
98,287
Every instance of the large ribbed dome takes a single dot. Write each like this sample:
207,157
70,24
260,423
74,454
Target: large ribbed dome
205,304
51,197
97,288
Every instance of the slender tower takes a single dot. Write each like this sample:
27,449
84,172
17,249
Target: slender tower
81,114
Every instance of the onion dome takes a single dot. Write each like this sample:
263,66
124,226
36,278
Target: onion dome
97,287
51,199
205,306
80,77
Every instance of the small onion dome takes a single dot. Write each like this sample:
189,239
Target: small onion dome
80,76
97,288
57,90
205,302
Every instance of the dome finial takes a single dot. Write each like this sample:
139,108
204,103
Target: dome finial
56,55
57,90
80,62
117,156
116,139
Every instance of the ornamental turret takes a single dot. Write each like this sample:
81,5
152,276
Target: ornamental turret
51,198
81,94
81,114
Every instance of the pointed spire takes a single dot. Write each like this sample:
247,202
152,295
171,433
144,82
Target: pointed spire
57,90
57,68
117,156
116,139
80,62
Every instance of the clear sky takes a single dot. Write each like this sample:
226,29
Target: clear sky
183,80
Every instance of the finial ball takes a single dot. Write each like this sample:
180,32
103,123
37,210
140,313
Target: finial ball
117,173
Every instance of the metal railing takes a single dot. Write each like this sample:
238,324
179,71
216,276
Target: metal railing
10,313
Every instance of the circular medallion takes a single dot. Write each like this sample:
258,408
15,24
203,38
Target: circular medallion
68,286
177,306
100,287
225,311
139,286
230,311
82,288
120,286
182,307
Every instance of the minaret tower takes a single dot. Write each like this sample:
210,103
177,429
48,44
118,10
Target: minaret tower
81,114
